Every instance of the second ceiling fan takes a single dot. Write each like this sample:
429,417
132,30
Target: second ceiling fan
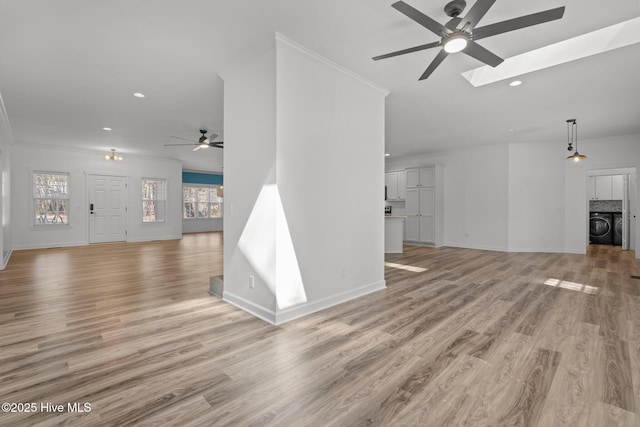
461,34
203,141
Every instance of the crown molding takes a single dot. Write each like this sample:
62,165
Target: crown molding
284,41
6,134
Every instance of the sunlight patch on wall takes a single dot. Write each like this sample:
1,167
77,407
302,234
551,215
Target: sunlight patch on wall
266,243
572,286
405,267
613,37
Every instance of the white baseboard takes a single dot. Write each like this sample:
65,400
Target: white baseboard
48,246
250,307
298,311
282,316
154,238
5,259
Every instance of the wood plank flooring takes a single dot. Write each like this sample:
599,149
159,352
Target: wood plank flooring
477,339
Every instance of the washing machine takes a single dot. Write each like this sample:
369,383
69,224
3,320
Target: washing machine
617,228
601,228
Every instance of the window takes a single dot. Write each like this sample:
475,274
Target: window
50,198
202,201
154,200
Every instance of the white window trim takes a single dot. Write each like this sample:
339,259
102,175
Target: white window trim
195,218
32,205
165,181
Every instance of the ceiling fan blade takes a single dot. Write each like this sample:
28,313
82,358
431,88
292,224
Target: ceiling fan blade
184,139
197,148
481,54
434,64
517,23
477,11
453,23
409,50
422,19
217,144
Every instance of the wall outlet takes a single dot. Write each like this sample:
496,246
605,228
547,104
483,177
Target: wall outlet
252,281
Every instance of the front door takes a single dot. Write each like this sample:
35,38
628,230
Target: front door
107,208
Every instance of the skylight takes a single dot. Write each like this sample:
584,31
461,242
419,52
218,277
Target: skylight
613,37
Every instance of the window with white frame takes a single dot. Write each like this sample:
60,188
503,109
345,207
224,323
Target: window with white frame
201,201
51,198
154,199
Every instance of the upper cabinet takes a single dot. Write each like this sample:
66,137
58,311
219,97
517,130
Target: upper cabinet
396,182
420,177
605,187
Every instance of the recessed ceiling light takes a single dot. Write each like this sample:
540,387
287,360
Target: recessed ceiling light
515,83
512,130
107,129
138,95
387,154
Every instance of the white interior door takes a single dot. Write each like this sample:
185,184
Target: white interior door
107,208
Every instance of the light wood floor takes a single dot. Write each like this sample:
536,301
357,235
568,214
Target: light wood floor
479,339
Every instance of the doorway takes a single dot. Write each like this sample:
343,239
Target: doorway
613,192
107,208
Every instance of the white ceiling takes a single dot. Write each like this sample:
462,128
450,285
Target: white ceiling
68,68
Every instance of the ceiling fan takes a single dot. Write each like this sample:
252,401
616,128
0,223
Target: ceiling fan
461,34
203,141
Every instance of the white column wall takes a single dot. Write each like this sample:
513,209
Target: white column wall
330,154
250,166
302,136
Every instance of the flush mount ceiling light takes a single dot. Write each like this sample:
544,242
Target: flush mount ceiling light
138,95
107,129
112,155
572,138
515,83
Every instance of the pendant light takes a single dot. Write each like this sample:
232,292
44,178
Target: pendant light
572,138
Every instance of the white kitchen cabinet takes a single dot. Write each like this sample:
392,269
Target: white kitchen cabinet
420,177
402,185
391,182
396,182
424,206
616,187
605,187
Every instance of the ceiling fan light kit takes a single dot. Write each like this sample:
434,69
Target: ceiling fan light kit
455,43
461,34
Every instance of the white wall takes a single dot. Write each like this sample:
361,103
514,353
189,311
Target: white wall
6,139
5,205
537,197
524,197
201,225
28,158
475,194
249,128
316,137
331,153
